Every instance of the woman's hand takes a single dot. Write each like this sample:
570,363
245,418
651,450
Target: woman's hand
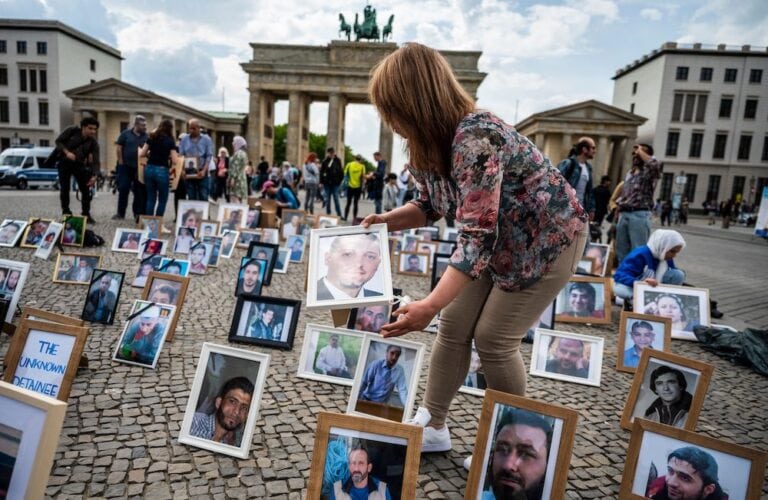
652,281
412,317
373,219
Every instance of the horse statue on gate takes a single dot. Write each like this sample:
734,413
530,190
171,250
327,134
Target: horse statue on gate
345,27
387,30
368,30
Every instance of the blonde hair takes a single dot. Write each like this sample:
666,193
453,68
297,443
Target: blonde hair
417,95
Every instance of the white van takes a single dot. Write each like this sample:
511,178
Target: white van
23,168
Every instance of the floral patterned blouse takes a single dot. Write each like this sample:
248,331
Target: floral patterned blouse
514,210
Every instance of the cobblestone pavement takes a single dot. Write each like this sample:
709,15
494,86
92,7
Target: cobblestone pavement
120,434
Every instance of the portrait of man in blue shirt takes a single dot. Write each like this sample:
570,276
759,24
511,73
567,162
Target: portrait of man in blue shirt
382,377
642,335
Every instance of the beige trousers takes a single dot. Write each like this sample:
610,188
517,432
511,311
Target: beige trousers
497,321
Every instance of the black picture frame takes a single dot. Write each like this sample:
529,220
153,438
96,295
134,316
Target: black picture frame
96,276
352,318
254,246
441,244
294,306
244,262
434,278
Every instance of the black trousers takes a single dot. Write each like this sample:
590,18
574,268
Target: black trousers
353,195
82,175
128,182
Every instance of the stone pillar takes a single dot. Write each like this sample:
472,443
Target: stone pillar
179,127
260,133
565,148
337,104
78,115
599,167
620,146
102,139
385,144
539,140
298,128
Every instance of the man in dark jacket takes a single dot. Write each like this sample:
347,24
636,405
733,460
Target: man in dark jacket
331,176
77,155
602,195
376,178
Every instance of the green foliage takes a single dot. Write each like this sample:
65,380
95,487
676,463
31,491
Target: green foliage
316,144
279,136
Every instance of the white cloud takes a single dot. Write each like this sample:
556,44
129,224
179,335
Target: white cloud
732,23
651,14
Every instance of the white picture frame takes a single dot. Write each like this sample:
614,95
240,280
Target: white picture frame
50,237
123,237
315,365
8,238
191,213
165,314
686,306
566,368
229,241
152,246
19,270
282,261
297,254
225,213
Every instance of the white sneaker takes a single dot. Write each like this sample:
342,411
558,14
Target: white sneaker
468,463
433,440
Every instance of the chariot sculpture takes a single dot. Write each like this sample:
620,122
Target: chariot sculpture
368,30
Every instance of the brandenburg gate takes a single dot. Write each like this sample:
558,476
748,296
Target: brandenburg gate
337,73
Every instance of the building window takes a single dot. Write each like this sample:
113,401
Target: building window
745,143
764,156
738,187
4,113
42,48
22,80
3,47
3,75
755,75
701,108
720,142
666,185
713,188
673,139
42,112
706,75
690,187
21,47
750,109
32,80
93,64
730,75
726,103
689,107
634,88
43,80
632,108
44,143
762,183
23,111
697,138
677,107
681,73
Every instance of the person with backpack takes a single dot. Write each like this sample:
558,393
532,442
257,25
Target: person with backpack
281,194
331,176
578,172
311,177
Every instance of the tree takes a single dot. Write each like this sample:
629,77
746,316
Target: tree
280,133
316,144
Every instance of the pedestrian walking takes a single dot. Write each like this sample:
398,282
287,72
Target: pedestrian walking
331,177
391,193
237,182
354,173
220,175
311,182
127,148
161,152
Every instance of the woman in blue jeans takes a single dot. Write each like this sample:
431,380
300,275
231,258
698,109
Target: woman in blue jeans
652,263
161,153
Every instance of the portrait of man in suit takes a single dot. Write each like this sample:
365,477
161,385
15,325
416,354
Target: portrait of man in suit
352,261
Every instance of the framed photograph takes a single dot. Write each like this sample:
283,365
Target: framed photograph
253,218
34,233
146,266
413,263
410,241
474,382
199,254
326,221
246,237
451,234
668,389
250,278
74,230
440,263
429,247
428,233
178,267
283,259
637,332
191,214
30,428
208,228
265,321
185,237
395,246
585,299
164,288
264,251
665,462
348,458
191,166
215,243
43,357
587,265
13,275
270,235
292,223
370,318
686,306
571,357
49,241
151,225
296,244
601,254
224,400
128,240
330,354
144,334
11,232
232,216
228,241
385,384
513,426
103,296
75,268
546,321
349,266
150,246
445,246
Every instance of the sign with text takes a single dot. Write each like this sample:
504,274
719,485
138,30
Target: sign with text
43,362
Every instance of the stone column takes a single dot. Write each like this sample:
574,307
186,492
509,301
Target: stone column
600,163
255,125
385,144
565,148
78,115
298,128
617,159
102,138
337,104
539,139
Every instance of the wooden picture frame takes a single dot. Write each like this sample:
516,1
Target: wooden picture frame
651,440
225,213
177,299
69,274
389,436
205,225
687,306
291,242
34,314
50,239
33,425
40,228
265,251
247,321
8,239
316,364
501,410
691,370
191,213
585,299
323,221
586,266
659,340
246,237
286,222
77,224
124,235
230,363
546,360
403,267
34,338
152,225
89,312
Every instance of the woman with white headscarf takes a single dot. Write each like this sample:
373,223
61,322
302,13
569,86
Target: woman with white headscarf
237,180
652,263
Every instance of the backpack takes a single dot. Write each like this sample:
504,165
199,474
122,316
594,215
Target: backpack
91,239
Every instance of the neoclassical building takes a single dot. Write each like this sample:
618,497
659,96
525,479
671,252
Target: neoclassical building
614,131
337,74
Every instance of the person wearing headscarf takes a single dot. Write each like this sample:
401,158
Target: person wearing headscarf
237,180
652,263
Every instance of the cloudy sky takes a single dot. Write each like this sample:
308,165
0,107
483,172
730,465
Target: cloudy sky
538,55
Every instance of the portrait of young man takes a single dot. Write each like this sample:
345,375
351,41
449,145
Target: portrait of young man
225,425
352,261
101,301
567,358
580,301
692,474
382,377
251,276
642,335
331,359
673,403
